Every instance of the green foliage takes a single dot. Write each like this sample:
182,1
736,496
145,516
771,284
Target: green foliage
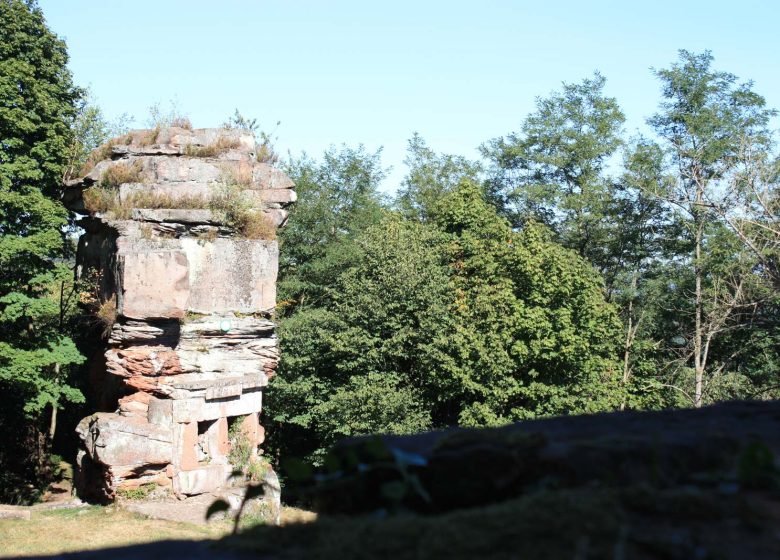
458,320
37,103
553,170
430,177
337,199
138,493
240,447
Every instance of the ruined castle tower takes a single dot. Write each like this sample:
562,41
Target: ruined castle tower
180,258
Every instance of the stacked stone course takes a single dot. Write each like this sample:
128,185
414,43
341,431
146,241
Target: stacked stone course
193,344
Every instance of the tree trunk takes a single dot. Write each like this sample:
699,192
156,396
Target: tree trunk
630,331
53,421
698,355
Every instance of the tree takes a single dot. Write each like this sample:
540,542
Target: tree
708,122
552,171
337,199
535,336
37,104
374,338
457,319
431,176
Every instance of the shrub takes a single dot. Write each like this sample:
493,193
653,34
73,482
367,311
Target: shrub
247,220
122,173
99,200
106,314
241,449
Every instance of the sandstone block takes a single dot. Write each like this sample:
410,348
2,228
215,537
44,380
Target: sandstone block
200,409
160,411
176,215
276,216
201,480
153,284
232,275
266,176
279,196
112,439
187,441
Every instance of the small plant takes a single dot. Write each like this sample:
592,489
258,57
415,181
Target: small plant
181,122
240,175
241,450
106,314
247,220
122,173
254,224
208,235
258,467
139,493
99,200
265,150
214,149
103,152
147,231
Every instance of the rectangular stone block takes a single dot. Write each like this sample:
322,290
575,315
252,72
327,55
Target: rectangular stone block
201,480
279,196
112,439
153,284
218,442
160,412
198,410
231,275
186,440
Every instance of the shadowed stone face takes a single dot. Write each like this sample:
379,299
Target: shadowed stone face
192,343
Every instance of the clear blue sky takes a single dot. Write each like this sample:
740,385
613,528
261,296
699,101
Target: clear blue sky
459,73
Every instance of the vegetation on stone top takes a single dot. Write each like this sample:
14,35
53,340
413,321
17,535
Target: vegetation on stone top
220,146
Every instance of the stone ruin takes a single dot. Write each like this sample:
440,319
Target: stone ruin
179,250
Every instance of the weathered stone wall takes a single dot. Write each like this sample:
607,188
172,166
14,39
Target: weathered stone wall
193,343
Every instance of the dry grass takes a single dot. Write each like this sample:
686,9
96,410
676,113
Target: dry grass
182,122
253,224
107,201
214,149
149,137
100,200
69,530
240,175
106,314
247,220
103,152
122,173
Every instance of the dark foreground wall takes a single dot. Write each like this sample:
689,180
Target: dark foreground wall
692,484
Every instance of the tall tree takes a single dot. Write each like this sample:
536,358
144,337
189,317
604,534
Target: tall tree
431,176
708,122
457,319
553,170
37,104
